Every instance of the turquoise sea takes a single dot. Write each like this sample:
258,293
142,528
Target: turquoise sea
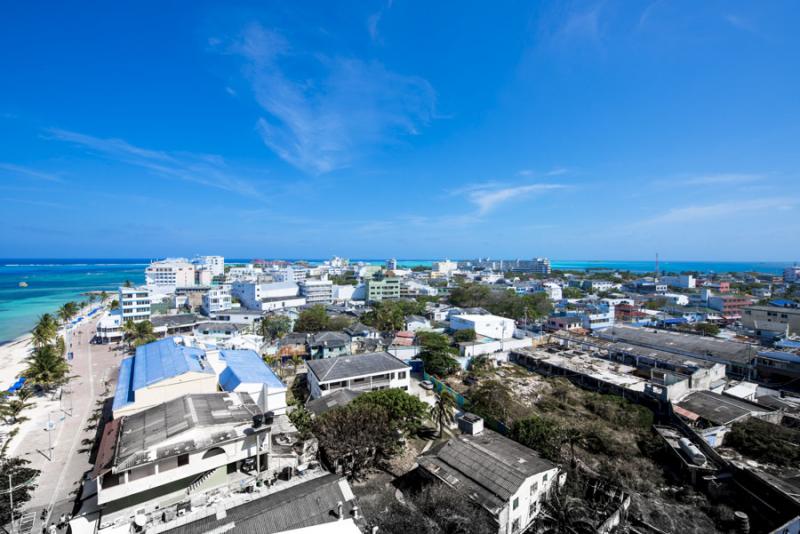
51,283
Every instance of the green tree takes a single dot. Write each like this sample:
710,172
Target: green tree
707,329
494,400
313,319
45,331
302,421
405,411
68,311
437,354
539,433
274,362
274,326
138,333
297,362
103,296
339,323
23,479
12,406
464,336
443,411
46,367
470,295
572,293
354,437
114,305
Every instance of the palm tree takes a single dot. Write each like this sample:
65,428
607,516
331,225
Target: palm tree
443,411
10,408
46,367
103,296
274,362
297,361
45,331
139,333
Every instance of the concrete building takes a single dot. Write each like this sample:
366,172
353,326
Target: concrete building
491,326
383,289
217,299
682,281
158,467
730,306
391,265
214,264
766,320
294,274
445,267
164,276
535,266
245,371
159,372
317,291
268,297
363,372
134,303
329,345
506,478
109,328
791,274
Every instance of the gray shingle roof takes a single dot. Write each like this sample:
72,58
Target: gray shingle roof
337,399
310,503
344,367
488,465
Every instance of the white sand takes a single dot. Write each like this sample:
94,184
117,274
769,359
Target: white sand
12,360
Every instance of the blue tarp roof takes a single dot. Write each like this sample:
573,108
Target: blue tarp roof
245,366
783,303
784,356
788,344
675,320
153,363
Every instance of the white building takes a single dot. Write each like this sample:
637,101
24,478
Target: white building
215,264
444,267
109,328
683,281
791,274
164,276
217,299
245,371
491,326
317,291
290,274
553,291
268,297
363,372
134,302
509,480
677,299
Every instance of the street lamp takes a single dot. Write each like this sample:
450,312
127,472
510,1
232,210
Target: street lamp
11,489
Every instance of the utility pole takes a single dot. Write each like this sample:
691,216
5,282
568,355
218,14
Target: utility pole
11,502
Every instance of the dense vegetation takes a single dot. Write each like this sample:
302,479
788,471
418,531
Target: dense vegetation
504,302
390,315
765,442
437,354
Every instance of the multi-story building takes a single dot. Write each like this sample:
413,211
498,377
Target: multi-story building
731,306
791,274
491,326
268,297
294,274
383,289
535,266
215,264
363,372
391,265
317,291
217,299
164,276
506,478
766,320
134,303
444,267
683,281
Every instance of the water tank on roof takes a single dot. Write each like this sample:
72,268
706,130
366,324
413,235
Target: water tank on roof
692,452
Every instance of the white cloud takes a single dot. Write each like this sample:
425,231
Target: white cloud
204,169
30,173
330,109
488,199
720,210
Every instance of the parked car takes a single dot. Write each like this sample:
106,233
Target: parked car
426,384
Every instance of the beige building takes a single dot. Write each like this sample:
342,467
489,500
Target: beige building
774,319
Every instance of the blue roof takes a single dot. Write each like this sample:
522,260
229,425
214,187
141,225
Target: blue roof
783,303
153,363
788,344
245,366
784,356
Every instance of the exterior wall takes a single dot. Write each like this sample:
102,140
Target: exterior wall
395,379
289,302
771,319
685,281
484,325
135,303
169,274
317,291
528,499
167,390
478,349
217,299
386,289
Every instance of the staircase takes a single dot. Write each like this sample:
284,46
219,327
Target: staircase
206,480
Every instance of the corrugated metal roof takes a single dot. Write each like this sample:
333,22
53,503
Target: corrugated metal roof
124,393
245,366
343,367
164,359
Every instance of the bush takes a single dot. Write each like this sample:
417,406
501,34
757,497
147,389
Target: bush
465,336
765,442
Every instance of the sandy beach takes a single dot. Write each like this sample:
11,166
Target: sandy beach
12,359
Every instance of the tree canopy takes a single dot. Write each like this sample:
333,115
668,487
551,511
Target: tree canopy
313,319
405,411
274,326
504,302
389,315
22,480
437,354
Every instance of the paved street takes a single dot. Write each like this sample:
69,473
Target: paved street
69,417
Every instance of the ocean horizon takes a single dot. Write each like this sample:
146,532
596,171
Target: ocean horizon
54,281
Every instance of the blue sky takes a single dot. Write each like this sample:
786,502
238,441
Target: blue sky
575,130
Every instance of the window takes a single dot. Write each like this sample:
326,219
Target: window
534,488
545,477
516,503
183,459
110,479
515,525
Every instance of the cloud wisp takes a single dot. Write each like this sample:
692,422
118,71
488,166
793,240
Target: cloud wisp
27,172
322,111
487,199
202,169
720,210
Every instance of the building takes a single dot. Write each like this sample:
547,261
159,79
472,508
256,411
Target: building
791,274
535,266
217,299
391,265
730,306
214,264
445,267
159,372
134,302
765,320
682,281
491,326
268,297
109,328
294,274
161,464
245,371
329,345
317,291
417,322
506,478
569,323
383,289
164,276
363,372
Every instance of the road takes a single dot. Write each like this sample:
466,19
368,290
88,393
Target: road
72,431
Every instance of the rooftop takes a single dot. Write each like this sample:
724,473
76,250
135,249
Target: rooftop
344,367
245,366
337,399
718,409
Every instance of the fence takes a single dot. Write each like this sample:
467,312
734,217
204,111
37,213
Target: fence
462,401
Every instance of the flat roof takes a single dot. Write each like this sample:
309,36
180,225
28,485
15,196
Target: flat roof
718,409
245,366
344,367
